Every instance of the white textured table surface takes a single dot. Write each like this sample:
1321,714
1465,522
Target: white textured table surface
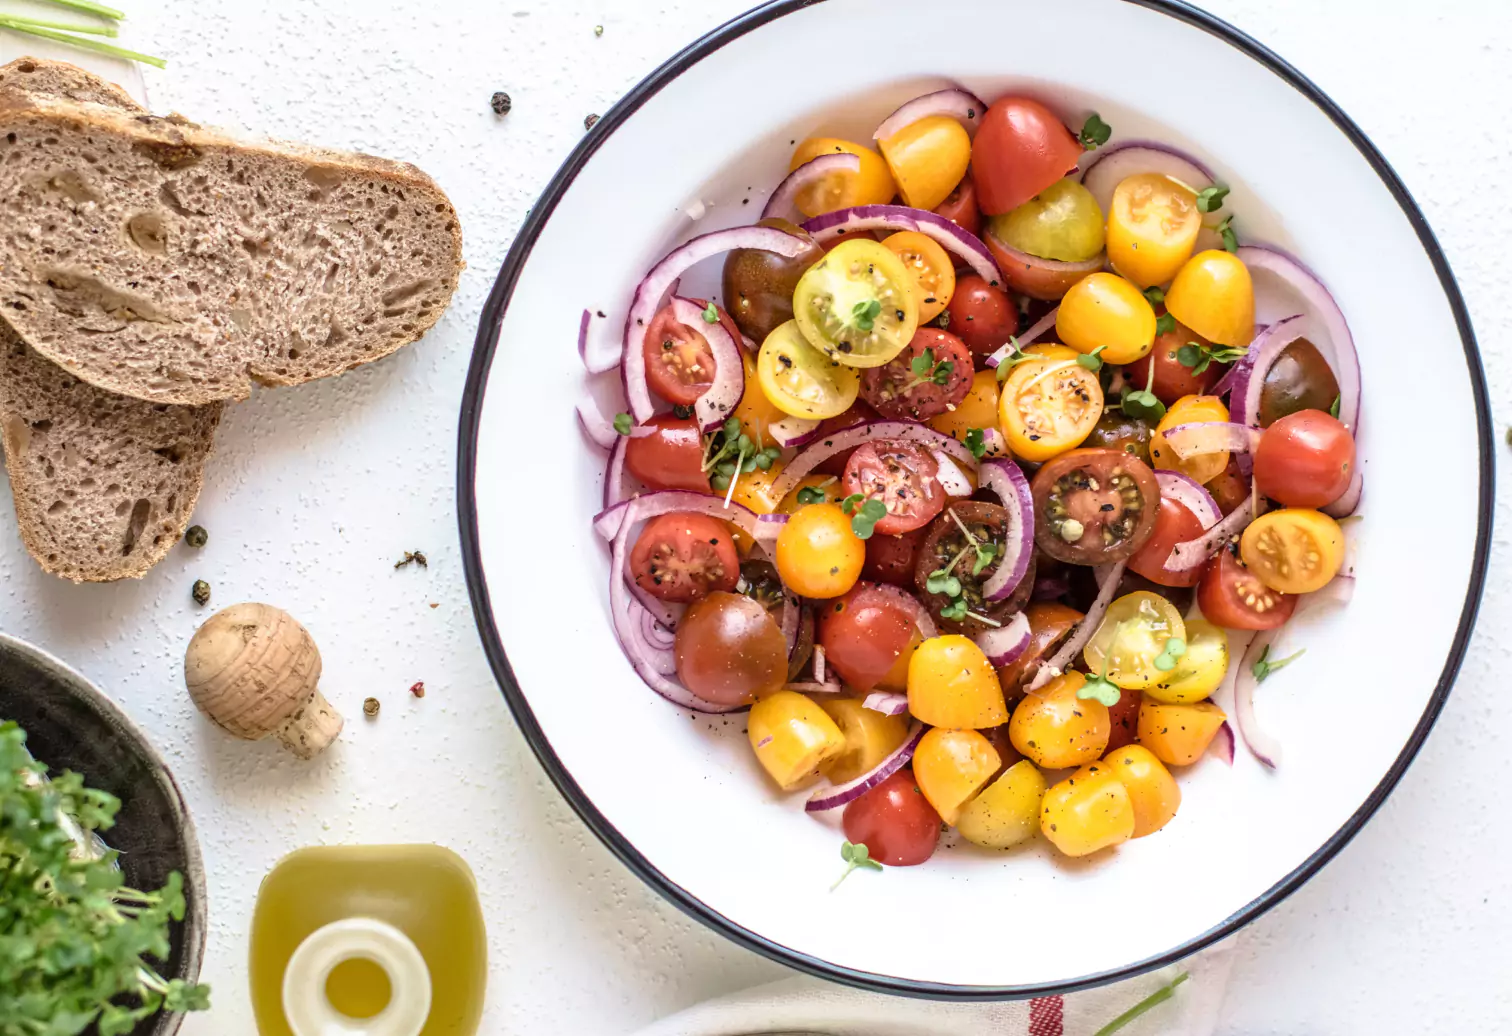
315,492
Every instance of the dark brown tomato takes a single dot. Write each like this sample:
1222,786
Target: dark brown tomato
1300,379
900,393
982,316
945,542
1229,488
1084,589
1094,507
1173,379
729,649
961,209
671,457
760,582
863,633
681,557
758,285
1116,430
859,413
1050,623
891,559
1125,721
679,362
903,477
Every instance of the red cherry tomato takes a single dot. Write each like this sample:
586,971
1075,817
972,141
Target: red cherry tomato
679,362
961,209
862,634
903,477
1125,719
899,393
1021,149
894,821
860,412
1305,459
669,458
1173,379
1229,488
891,559
1174,523
682,557
982,316
1233,597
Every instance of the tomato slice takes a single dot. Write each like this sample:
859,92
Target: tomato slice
857,304
961,208
1049,406
870,184
903,476
1174,523
1132,637
1200,467
1294,550
1050,622
930,266
679,362
946,549
671,457
800,380
1232,596
1093,507
1152,227
864,634
682,557
929,378
1021,149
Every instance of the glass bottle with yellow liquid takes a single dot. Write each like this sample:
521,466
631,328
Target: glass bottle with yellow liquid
386,940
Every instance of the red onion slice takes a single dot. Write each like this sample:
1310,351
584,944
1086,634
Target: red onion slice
886,703
950,477
963,243
920,615
1238,643
1003,477
1195,553
1191,494
1240,367
1264,747
809,687
1107,586
601,361
1116,164
1005,644
1249,383
607,522
958,103
834,798
794,431
594,424
819,662
783,204
1349,503
849,438
1035,333
1201,437
614,475
1223,743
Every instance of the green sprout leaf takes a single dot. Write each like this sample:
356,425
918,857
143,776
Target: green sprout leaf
711,314
623,423
1092,361
1142,403
1165,324
865,314
976,442
855,854
1263,667
1175,647
955,610
940,581
811,495
1094,133
1199,357
1155,296
848,505
1211,200
986,553
1226,231
863,524
1333,411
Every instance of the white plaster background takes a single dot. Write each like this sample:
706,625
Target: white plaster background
315,492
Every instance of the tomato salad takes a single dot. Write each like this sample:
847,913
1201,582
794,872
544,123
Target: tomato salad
960,571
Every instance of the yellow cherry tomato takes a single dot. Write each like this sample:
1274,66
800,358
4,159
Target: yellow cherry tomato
1152,790
951,766
978,411
1134,631
793,738
1214,296
927,159
1152,227
1200,670
1200,467
1007,811
951,684
857,304
753,489
1103,309
870,737
1178,734
930,266
832,488
755,412
1295,550
800,380
1062,222
872,184
818,554
1057,729
1048,406
1088,811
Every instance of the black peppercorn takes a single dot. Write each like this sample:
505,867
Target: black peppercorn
501,103
196,536
589,121
201,592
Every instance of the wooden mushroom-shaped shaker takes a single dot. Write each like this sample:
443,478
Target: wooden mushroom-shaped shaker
255,671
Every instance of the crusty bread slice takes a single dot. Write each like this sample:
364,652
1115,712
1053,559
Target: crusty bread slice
172,263
44,78
104,485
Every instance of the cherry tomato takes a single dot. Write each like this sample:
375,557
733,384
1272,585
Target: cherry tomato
951,684
1123,720
903,477
1116,430
1200,670
1174,523
1233,597
793,738
1093,507
927,158
1177,735
951,766
1088,811
1049,406
1104,310
1049,624
1021,149
1152,225
1007,811
870,737
1305,459
891,559
1056,729
1046,280
729,650
817,553
1062,222
894,821
982,315
976,411
1300,379
1228,488
755,412
872,184
931,267
857,304
1132,637
1152,790
759,285
1214,296
947,550
669,458
860,412
1173,379
679,362
681,557
924,380
864,634
961,208
1293,550
1190,410
800,380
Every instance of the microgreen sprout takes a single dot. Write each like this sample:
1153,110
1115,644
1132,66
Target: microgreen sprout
855,854
1100,688
1263,668
986,553
1141,403
976,442
1092,361
1174,648
1094,133
711,314
865,314
623,423
1199,357
1226,231
1013,359
1333,410
928,372
865,514
1164,324
811,495
1211,199
1154,295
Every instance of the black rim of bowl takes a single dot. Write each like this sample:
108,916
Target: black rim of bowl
472,400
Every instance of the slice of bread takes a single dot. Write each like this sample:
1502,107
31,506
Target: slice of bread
44,78
104,485
160,260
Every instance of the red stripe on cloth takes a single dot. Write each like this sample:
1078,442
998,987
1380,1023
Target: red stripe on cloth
1046,1016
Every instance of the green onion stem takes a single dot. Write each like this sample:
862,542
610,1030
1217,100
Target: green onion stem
1155,999
89,7
82,42
90,30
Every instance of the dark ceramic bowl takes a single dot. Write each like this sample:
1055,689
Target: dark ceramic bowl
70,725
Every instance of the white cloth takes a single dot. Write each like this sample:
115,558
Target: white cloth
803,1006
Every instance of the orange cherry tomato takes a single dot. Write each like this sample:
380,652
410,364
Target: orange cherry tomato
1214,295
872,184
927,159
931,267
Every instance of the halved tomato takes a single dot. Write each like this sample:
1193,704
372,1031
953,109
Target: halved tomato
925,380
871,184
681,557
671,457
857,304
1232,596
1093,507
1021,149
930,266
1174,523
1049,624
903,476
800,380
927,159
1152,226
1049,406
679,362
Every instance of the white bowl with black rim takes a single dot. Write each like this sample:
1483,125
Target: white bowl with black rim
677,796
